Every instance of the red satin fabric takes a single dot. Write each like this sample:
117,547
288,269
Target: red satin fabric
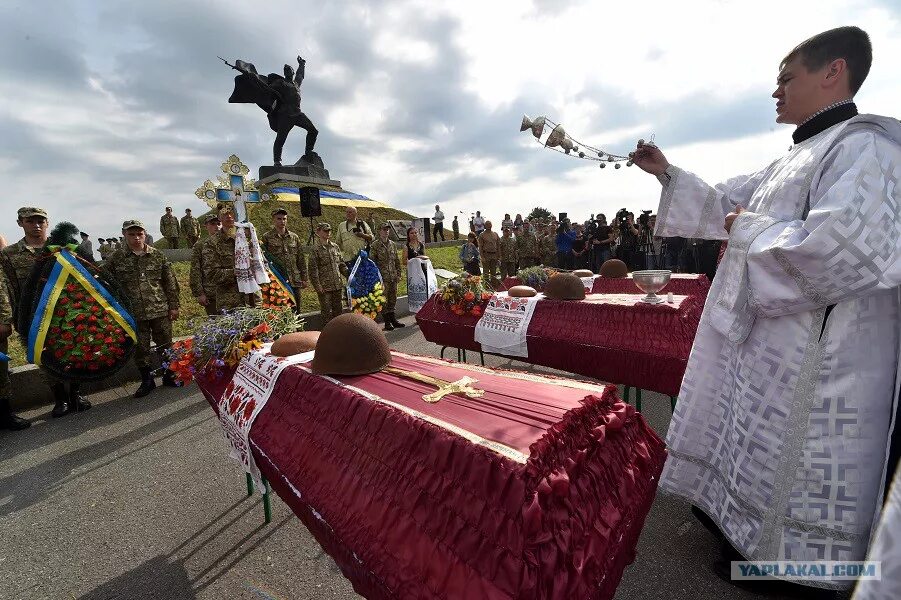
512,412
645,346
410,510
683,284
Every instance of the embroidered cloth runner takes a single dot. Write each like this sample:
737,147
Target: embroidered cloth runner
249,269
245,396
505,323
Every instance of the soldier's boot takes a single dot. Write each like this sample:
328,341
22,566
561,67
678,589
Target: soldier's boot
395,322
10,421
169,379
63,406
389,325
78,402
147,383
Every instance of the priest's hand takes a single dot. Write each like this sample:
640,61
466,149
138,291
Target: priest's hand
730,218
650,159
202,300
173,314
5,330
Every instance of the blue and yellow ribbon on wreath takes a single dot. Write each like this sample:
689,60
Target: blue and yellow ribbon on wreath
67,267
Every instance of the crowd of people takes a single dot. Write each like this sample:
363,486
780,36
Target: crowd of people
145,276
563,244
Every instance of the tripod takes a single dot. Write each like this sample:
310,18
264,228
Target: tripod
312,232
646,248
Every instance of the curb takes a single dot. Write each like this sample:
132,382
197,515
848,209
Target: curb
30,387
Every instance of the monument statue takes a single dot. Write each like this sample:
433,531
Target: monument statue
279,96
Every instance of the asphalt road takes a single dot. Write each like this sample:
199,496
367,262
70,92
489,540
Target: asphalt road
138,499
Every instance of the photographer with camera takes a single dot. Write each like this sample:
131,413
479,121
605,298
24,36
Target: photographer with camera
647,248
353,235
600,239
627,250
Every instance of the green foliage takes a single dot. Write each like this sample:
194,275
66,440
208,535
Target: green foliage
542,214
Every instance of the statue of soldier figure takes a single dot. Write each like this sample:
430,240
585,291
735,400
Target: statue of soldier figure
280,97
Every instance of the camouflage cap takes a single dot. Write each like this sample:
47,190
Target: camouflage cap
279,211
385,225
323,227
132,223
31,211
211,217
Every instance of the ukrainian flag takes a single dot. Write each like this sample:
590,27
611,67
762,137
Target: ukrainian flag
329,198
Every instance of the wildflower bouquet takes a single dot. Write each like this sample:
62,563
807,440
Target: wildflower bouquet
464,295
535,277
220,342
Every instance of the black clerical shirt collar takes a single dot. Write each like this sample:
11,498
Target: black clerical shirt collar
824,119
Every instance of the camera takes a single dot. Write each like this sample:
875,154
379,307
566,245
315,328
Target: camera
622,216
643,217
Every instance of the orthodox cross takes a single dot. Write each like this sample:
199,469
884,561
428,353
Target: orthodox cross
232,188
445,388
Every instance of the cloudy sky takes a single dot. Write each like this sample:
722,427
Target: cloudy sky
113,110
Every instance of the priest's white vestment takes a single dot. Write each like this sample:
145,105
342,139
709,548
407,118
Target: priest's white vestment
781,429
886,549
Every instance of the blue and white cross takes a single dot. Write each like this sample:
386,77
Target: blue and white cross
238,194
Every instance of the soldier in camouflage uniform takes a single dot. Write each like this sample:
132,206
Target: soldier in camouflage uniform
102,248
509,256
190,228
146,276
548,245
17,262
383,252
205,297
218,256
526,246
7,419
326,269
169,227
286,250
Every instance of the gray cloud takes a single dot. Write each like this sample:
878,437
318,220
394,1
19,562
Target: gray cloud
156,68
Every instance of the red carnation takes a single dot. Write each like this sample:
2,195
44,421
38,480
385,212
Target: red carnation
92,319
58,353
79,296
70,287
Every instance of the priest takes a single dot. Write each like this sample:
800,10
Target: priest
784,418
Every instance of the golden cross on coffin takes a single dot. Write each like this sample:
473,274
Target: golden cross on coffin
445,388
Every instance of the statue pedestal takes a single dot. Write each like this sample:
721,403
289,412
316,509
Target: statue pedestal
303,172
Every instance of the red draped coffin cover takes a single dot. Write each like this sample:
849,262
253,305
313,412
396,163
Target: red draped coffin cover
643,345
681,284
539,489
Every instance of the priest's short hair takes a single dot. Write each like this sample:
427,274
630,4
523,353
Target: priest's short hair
849,42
